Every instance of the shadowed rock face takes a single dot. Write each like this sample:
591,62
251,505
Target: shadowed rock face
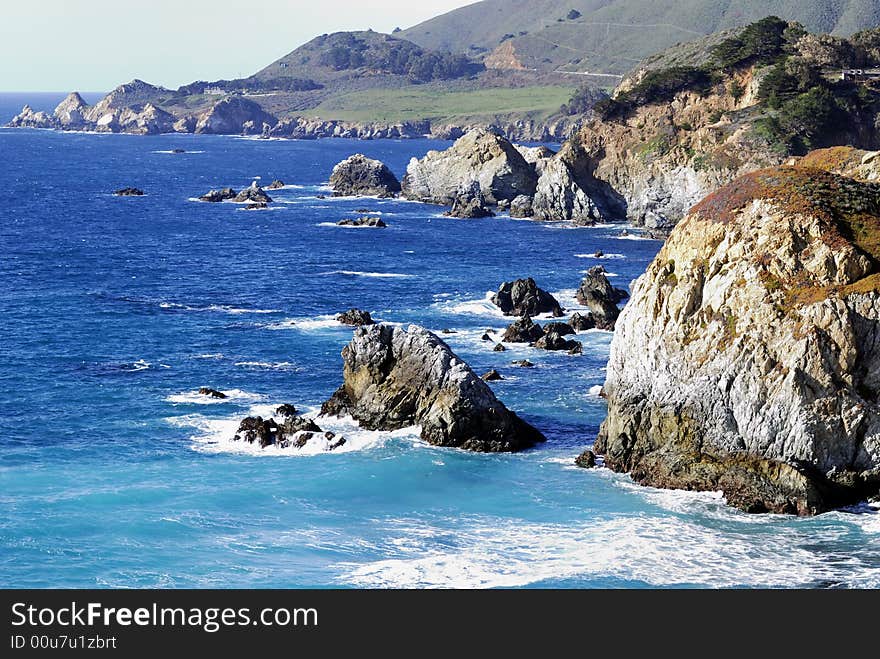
748,359
600,297
362,176
523,297
395,378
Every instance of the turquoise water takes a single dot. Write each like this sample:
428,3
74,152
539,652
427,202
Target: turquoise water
113,472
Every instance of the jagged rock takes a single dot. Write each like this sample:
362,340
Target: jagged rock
368,221
212,393
491,376
286,410
521,206
748,359
485,337
254,194
555,341
293,430
129,192
27,118
560,197
275,185
522,297
562,329
355,318
215,196
396,378
579,322
524,330
482,156
255,429
234,115
523,363
499,347
70,113
359,176
586,460
597,293
469,203
536,156
258,206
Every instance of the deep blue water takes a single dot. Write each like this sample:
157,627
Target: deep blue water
116,310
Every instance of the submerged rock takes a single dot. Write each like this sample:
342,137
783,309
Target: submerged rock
254,194
524,330
368,221
580,322
480,156
355,318
523,297
491,376
212,393
215,196
395,378
597,293
586,460
748,359
129,192
358,176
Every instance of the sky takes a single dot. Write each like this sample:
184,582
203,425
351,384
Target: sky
95,45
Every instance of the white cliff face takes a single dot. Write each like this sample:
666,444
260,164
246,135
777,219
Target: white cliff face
748,359
492,161
559,197
235,114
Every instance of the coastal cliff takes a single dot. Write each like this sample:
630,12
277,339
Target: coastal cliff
747,360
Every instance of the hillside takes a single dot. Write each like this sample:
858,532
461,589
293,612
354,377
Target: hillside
611,36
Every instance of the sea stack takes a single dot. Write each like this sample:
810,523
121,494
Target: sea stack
748,359
399,377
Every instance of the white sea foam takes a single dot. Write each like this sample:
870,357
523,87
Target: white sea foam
210,355
604,257
177,153
659,551
376,275
307,324
195,398
274,366
219,308
610,275
216,435
349,226
636,237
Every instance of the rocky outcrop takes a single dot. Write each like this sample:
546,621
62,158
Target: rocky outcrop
523,297
358,175
275,185
491,376
253,194
569,191
580,322
600,297
216,196
70,113
129,192
396,378
366,221
235,115
521,206
537,156
211,393
292,431
481,156
557,342
562,329
28,118
524,330
469,203
748,359
355,318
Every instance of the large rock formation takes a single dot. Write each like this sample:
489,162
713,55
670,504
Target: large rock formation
235,115
395,378
748,359
523,297
482,156
70,113
600,297
358,175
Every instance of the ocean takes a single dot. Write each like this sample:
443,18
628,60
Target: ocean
115,473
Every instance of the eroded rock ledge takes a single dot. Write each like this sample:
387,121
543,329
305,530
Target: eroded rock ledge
748,359
395,378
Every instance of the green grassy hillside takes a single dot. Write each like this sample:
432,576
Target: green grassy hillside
611,36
